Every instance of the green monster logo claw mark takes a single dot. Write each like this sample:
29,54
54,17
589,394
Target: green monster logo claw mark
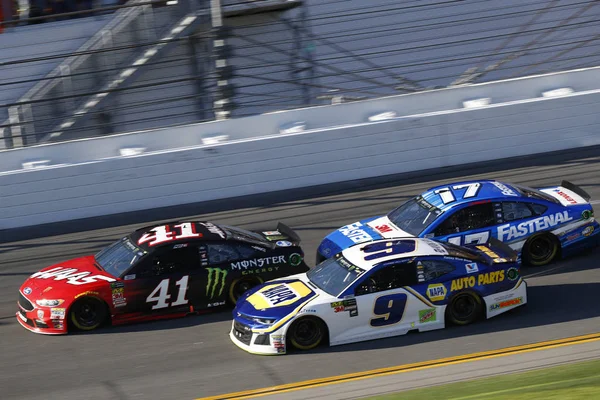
213,281
295,259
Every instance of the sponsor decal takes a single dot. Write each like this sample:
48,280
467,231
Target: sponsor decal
27,290
278,342
180,246
438,248
283,243
278,295
258,262
40,314
505,189
58,324
355,233
259,248
587,214
260,270
272,233
87,293
588,231
345,305
49,288
295,259
57,313
573,236
428,315
436,292
307,311
215,282
383,228
71,275
512,274
216,304
488,252
471,268
565,196
506,303
482,279
509,232
212,228
129,277
118,294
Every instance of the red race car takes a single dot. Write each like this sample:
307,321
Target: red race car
157,272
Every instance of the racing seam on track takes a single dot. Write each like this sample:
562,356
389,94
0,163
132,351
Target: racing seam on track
405,368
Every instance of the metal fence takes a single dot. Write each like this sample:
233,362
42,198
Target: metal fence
161,63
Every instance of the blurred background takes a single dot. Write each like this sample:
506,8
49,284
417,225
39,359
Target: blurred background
83,68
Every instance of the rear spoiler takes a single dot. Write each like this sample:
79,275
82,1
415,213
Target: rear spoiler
576,189
496,250
286,230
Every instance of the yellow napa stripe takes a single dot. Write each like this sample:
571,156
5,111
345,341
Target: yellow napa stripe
313,383
284,319
418,295
261,302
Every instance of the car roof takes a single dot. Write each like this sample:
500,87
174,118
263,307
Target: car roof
370,254
142,237
488,189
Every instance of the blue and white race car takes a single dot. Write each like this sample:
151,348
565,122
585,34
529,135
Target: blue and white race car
540,224
379,289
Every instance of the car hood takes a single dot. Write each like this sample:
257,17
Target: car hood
66,279
358,232
276,299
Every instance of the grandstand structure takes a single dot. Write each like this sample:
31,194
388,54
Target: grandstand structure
141,65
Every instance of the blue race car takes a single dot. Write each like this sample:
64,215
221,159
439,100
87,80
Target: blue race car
540,224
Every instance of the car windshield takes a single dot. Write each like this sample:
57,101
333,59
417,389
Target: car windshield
414,216
334,275
535,194
119,256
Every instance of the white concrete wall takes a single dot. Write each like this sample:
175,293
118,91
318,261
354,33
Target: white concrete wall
315,118
260,165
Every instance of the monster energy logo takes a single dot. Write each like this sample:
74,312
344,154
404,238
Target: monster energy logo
213,281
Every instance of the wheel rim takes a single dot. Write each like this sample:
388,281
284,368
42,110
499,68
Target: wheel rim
541,249
87,314
241,288
464,307
307,333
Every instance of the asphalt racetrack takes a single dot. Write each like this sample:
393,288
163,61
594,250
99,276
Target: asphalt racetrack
193,357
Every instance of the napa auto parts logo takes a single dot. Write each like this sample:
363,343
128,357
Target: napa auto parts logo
71,275
508,231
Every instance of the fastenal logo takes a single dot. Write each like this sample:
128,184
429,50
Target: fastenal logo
216,278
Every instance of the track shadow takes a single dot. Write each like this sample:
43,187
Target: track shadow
220,315
266,201
546,305
583,261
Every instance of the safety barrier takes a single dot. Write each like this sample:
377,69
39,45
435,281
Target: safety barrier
77,187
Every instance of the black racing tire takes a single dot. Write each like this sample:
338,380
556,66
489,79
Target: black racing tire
240,286
540,249
464,308
88,313
307,333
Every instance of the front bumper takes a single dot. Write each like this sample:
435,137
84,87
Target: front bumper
44,320
272,343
